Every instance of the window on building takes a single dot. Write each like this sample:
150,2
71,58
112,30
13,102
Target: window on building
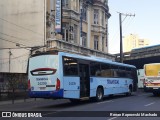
65,4
71,33
102,18
96,42
96,13
84,39
65,32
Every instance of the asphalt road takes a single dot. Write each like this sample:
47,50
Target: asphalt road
63,109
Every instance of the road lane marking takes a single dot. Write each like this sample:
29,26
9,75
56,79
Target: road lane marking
149,104
112,118
105,102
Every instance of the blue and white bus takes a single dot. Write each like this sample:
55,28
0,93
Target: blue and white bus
73,76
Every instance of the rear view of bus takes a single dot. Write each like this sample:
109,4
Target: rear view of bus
152,78
43,80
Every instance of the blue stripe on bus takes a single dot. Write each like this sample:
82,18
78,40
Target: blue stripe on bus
46,94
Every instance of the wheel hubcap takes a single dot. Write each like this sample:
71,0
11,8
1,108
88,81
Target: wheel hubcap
99,95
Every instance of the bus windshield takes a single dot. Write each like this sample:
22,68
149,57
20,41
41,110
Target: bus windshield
152,70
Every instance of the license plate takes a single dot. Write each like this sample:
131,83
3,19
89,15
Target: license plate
155,88
42,88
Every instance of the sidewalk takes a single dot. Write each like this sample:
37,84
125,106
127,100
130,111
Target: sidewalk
19,101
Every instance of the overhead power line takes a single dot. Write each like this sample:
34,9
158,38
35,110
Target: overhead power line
26,54
12,42
127,25
16,37
20,26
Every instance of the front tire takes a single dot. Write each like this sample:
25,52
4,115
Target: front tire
155,93
99,94
129,93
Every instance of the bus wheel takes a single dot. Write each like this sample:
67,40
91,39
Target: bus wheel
155,93
99,94
129,93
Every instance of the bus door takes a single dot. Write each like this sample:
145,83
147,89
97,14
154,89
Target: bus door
84,80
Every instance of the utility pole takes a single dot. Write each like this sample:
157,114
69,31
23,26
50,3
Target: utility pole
10,53
120,26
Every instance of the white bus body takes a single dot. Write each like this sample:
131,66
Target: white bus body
140,74
65,75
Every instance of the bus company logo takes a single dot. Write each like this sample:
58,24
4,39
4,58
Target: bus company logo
112,81
6,114
41,79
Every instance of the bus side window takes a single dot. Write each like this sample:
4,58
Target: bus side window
122,72
95,69
106,71
130,73
115,70
70,66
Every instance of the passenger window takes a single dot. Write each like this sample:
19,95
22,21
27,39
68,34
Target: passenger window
70,66
106,71
95,69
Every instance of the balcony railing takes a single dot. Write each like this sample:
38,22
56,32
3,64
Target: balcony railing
97,28
62,45
71,14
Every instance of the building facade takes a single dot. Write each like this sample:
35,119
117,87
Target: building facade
133,41
29,24
84,23
22,26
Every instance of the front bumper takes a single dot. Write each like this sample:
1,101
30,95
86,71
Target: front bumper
151,89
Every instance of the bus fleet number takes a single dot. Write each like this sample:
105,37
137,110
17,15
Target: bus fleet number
72,83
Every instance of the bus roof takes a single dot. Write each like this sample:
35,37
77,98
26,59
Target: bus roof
93,58
90,58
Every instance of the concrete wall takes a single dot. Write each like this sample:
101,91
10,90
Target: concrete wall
23,22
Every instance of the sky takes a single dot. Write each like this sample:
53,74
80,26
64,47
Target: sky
146,22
